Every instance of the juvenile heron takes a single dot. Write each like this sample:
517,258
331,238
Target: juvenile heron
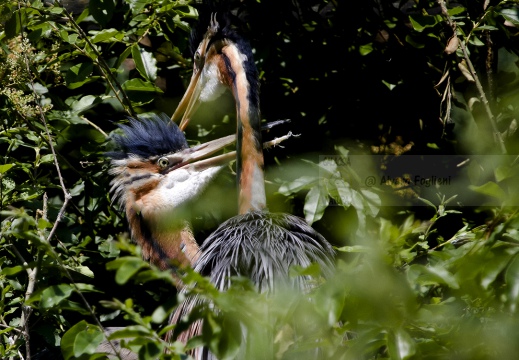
156,173
256,243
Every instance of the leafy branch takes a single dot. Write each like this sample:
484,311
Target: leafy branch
32,273
102,65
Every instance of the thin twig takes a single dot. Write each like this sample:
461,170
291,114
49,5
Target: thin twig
491,118
94,125
277,141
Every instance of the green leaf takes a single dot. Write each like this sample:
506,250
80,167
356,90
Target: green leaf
144,62
422,22
365,49
373,201
79,74
107,35
432,275
400,345
44,224
47,158
154,274
4,168
83,270
312,270
12,270
486,27
344,192
456,11
85,103
129,332
140,85
316,202
140,92
126,267
511,14
13,25
302,183
137,5
489,189
512,282
151,350
54,294
101,10
68,339
493,267
80,339
354,249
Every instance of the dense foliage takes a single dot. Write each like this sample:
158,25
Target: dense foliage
419,96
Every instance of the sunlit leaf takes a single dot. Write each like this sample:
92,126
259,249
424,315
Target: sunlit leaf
316,202
400,345
302,183
107,35
5,168
144,62
12,270
511,14
85,103
353,249
512,281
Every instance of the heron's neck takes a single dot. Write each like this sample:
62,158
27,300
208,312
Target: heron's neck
249,149
175,246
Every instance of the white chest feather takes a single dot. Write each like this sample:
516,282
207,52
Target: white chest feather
212,88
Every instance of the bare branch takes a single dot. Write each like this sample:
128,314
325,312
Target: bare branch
491,118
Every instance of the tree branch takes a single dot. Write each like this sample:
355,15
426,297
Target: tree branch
497,134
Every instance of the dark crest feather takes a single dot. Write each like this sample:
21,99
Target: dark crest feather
150,136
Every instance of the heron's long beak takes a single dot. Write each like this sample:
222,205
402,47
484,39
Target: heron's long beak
190,101
196,157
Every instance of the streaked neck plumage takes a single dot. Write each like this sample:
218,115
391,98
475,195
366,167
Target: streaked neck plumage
250,164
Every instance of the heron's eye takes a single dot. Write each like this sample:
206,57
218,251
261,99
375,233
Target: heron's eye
163,162
197,57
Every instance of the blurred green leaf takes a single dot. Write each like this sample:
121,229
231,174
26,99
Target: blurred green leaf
400,344
432,275
491,189
315,203
302,183
512,281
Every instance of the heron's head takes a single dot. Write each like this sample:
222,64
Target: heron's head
222,59
155,170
